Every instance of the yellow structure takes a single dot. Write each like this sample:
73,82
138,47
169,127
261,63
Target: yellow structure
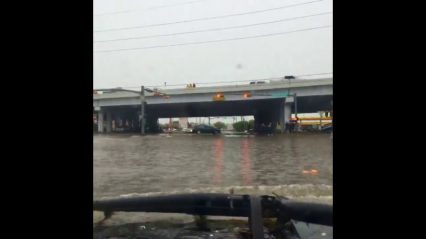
313,120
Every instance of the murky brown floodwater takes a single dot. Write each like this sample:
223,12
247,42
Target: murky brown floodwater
125,164
131,164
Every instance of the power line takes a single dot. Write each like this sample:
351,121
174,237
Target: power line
207,18
214,29
146,9
221,40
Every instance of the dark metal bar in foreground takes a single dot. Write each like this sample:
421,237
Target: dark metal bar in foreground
221,205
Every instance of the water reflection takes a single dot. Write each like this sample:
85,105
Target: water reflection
129,164
246,172
218,159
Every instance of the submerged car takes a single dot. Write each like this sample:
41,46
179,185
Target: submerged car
187,130
205,129
328,128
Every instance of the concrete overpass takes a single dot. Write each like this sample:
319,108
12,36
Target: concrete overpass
270,103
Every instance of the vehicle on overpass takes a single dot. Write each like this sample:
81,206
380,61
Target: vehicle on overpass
257,82
206,129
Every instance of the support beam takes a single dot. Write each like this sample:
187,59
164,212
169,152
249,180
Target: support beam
285,113
108,121
100,121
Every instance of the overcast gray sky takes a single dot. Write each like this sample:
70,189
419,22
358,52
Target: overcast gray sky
296,53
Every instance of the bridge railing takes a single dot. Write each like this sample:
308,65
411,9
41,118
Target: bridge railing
274,80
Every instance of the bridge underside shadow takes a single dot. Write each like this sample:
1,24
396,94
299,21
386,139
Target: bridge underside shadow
266,111
205,109
237,108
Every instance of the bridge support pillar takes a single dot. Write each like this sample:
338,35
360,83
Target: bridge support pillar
100,121
108,121
285,115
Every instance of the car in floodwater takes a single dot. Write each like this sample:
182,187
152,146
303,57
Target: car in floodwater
187,130
327,129
205,129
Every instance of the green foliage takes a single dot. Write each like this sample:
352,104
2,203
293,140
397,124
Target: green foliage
241,126
219,125
251,124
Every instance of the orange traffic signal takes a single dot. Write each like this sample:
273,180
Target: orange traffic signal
247,95
219,97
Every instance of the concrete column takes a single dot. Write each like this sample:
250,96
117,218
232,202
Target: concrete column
282,116
100,121
285,113
108,122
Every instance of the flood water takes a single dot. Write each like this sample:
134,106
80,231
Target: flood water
296,166
128,164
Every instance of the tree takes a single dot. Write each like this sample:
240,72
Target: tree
219,125
241,126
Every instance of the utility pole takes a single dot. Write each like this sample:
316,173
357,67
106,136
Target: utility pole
295,111
295,104
142,110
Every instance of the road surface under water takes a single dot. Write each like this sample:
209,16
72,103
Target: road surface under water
126,164
296,166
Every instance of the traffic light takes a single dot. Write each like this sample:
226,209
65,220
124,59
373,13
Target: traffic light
246,95
219,97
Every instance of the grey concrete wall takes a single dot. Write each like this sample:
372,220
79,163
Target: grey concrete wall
208,97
